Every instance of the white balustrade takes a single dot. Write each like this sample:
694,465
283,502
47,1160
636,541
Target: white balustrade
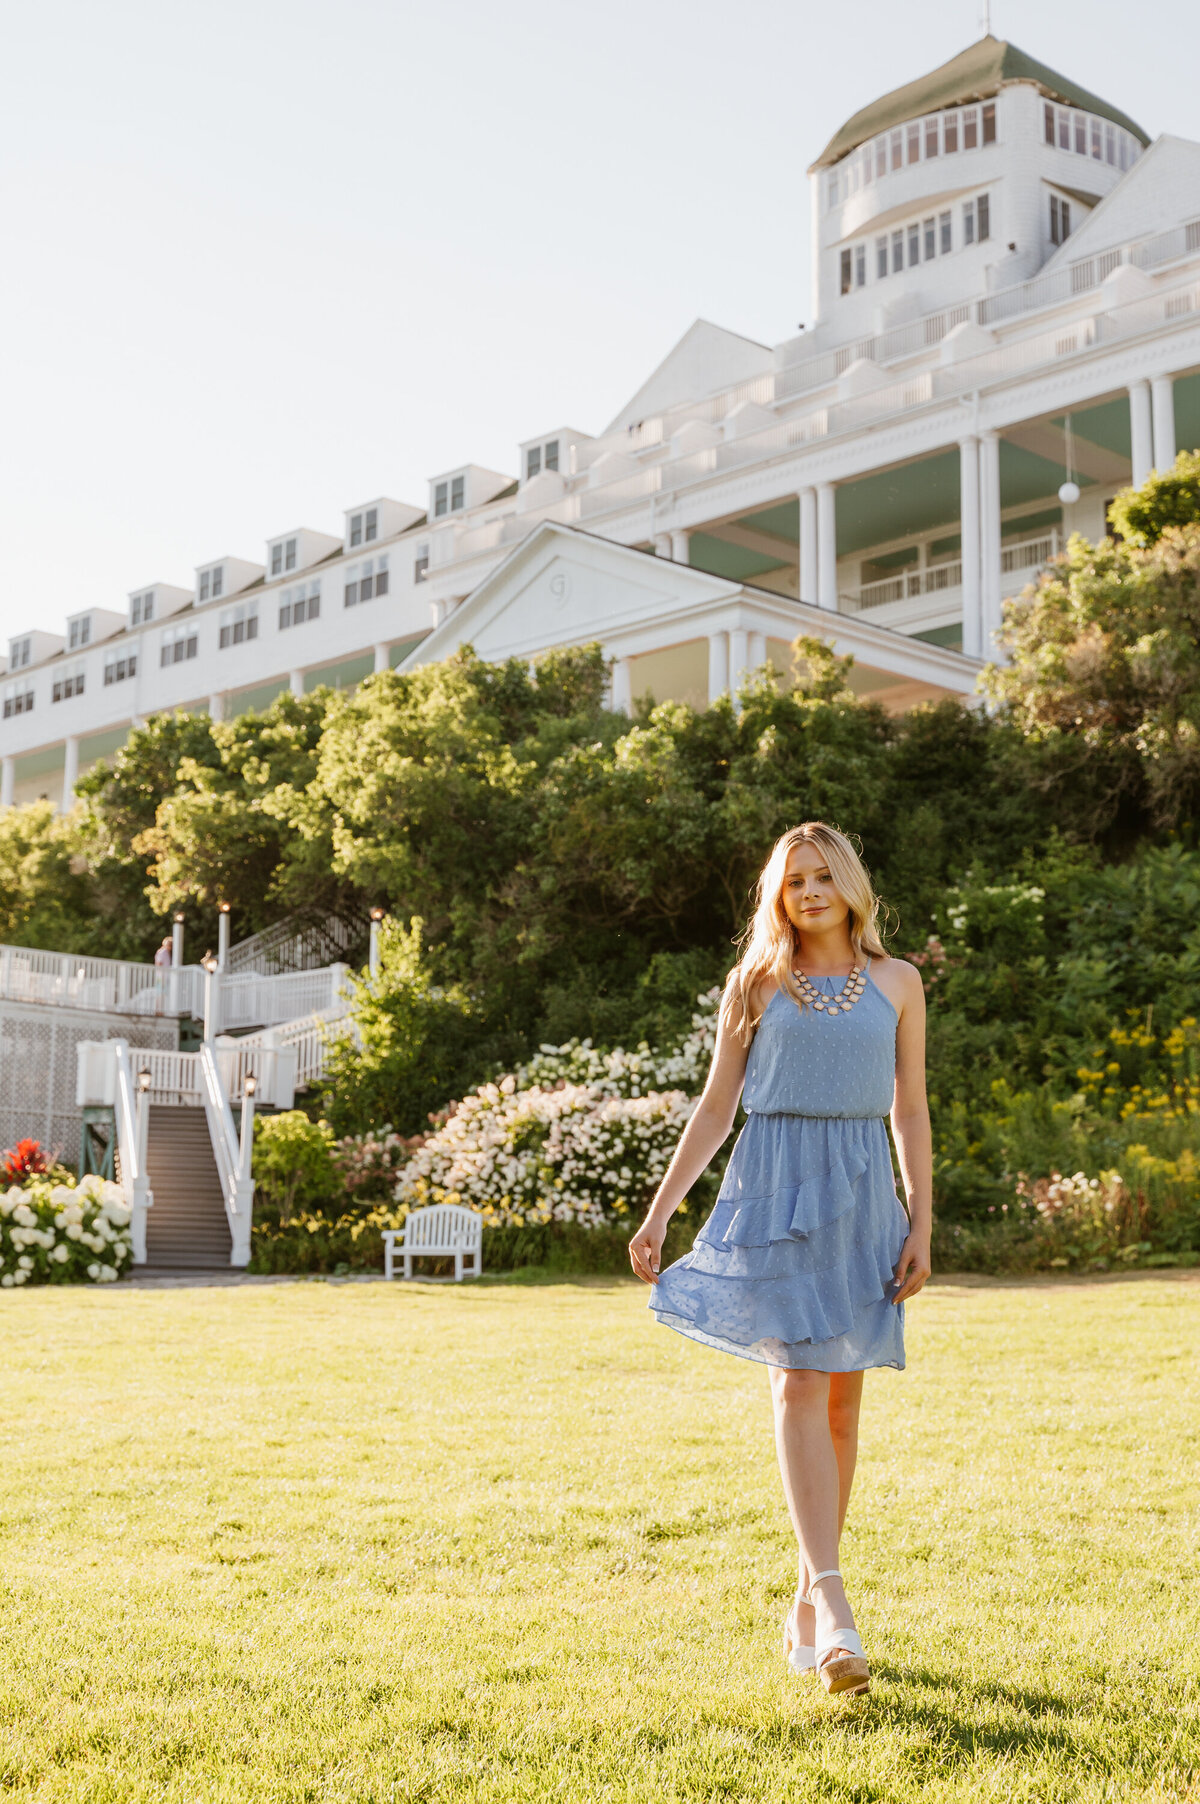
68,980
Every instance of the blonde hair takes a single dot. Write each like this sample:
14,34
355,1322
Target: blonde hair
771,942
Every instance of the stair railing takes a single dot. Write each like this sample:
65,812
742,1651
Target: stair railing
237,1185
132,1115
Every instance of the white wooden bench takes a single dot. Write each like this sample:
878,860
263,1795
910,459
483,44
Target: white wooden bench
442,1231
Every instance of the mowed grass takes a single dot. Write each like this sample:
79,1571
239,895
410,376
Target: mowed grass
320,1541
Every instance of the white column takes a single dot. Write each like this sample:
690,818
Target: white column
8,778
739,651
679,546
972,611
989,539
70,771
808,545
622,686
662,544
826,596
718,665
1141,432
216,707
1162,394
757,649
296,682
381,657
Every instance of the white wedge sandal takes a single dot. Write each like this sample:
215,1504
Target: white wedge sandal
841,1665
800,1659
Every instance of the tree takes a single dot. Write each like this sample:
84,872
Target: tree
46,894
1167,498
1104,682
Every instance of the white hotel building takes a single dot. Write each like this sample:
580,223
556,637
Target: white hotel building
1006,296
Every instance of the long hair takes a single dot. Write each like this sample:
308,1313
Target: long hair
770,943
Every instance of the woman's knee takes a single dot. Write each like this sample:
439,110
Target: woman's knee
799,1390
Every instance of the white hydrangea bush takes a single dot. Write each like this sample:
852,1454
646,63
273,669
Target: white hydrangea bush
63,1233
575,1135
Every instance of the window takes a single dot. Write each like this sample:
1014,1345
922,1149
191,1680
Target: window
67,683
897,252
20,652
845,288
458,487
141,608
18,699
533,461
365,526
1110,143
176,644
944,232
299,604
421,564
1060,220
968,222
881,260
79,633
914,142
212,583
867,164
970,128
989,122
860,265
552,454
1097,149
950,138
1080,135
931,136
930,235
283,557
983,217
1049,118
897,149
441,498
831,197
117,670
365,581
238,624
914,245
881,156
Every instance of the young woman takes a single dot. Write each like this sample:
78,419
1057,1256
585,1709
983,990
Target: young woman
807,1258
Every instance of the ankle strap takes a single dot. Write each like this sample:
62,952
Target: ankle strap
818,1576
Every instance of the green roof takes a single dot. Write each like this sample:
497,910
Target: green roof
975,74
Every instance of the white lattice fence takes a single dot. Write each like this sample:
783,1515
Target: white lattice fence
37,1067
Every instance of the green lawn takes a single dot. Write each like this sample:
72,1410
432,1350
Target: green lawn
340,1542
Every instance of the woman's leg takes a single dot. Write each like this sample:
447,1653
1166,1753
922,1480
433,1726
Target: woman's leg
817,1469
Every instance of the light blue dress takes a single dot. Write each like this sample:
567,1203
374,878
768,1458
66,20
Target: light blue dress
794,1267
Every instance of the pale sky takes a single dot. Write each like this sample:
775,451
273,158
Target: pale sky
265,260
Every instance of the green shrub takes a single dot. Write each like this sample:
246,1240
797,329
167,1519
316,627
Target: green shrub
293,1162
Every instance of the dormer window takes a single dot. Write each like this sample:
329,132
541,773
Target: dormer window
541,457
79,633
141,608
20,652
364,527
237,624
1060,220
450,497
212,583
283,556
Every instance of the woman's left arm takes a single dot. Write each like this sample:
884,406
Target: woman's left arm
910,1127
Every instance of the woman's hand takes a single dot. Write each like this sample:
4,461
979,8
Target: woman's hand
913,1267
645,1249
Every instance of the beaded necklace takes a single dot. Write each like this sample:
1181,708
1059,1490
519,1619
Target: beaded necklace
845,999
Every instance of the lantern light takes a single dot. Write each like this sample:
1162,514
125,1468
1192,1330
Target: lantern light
144,1079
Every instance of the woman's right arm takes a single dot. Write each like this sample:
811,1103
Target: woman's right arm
701,1139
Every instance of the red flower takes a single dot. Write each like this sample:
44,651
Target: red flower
24,1160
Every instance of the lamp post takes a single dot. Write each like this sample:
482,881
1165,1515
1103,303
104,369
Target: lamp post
176,960
222,934
144,1080
210,967
249,1086
373,957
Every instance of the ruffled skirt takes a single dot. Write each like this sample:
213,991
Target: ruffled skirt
794,1267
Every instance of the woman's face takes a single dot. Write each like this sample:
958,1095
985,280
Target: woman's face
810,901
